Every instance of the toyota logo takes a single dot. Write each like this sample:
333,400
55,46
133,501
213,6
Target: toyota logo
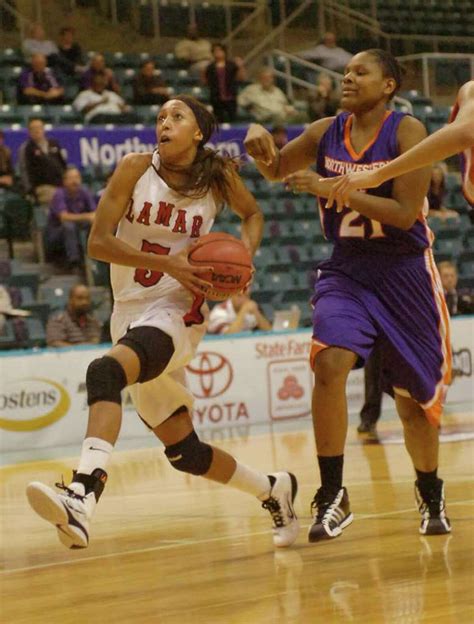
213,374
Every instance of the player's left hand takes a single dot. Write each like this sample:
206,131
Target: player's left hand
305,181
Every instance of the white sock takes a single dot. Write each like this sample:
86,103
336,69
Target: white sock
95,454
250,481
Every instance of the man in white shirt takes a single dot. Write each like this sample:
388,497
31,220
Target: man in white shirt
265,101
99,101
328,54
237,314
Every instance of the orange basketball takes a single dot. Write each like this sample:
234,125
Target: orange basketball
231,261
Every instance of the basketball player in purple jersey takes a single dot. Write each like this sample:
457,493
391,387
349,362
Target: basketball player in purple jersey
456,137
380,284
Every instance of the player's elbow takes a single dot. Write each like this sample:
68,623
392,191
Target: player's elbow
467,137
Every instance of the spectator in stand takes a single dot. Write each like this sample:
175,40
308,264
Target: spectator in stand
6,166
99,105
280,136
41,163
323,100
97,66
148,86
457,302
222,77
71,211
328,54
75,325
237,314
195,50
70,57
437,194
37,43
266,102
37,84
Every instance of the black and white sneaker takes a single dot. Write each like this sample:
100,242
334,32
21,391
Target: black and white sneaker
432,506
331,512
72,511
285,525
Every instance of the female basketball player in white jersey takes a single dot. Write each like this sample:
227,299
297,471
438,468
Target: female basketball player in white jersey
153,208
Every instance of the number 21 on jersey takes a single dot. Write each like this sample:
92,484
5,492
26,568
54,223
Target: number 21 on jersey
354,225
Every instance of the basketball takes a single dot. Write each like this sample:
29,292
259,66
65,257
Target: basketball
231,261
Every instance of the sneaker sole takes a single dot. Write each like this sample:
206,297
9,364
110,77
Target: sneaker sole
320,538
44,502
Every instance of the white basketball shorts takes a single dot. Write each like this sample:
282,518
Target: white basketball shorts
157,399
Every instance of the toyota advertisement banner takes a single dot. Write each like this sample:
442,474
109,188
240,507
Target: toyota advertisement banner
237,381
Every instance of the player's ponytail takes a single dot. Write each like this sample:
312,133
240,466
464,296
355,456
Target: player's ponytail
391,68
209,170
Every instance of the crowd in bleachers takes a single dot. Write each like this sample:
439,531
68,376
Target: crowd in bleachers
52,204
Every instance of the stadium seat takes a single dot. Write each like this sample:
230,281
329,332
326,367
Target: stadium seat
36,333
7,336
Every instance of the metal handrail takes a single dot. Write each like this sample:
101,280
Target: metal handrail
22,20
259,10
293,80
276,31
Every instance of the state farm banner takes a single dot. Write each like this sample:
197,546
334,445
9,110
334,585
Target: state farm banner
237,381
104,146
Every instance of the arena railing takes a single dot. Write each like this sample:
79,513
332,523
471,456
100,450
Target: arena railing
436,71
284,63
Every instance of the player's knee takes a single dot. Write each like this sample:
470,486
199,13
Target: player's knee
105,380
330,367
153,348
190,455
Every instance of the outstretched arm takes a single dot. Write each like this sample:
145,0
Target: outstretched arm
450,140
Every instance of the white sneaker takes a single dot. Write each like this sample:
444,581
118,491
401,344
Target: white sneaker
69,512
280,505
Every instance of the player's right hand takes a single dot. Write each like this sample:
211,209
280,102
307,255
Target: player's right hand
187,274
260,145
341,187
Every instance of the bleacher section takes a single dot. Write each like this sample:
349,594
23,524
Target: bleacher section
446,17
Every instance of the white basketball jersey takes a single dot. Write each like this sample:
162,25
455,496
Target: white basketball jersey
160,221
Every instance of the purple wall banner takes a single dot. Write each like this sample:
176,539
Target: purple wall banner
87,146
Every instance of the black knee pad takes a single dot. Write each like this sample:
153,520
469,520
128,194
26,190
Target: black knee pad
153,347
105,380
190,455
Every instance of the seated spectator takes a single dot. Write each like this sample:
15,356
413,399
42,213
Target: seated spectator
7,309
70,58
222,77
72,209
38,84
280,136
328,54
239,313
266,102
75,325
436,195
323,101
41,163
37,43
97,66
6,166
99,105
457,302
195,50
148,86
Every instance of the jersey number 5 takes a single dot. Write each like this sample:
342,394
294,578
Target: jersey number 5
353,225
147,277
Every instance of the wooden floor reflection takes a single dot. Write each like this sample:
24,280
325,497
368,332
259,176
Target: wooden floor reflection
170,548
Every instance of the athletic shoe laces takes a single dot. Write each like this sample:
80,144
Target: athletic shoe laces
321,503
69,492
273,506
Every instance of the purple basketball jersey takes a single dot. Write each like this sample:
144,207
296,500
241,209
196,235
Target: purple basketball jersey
352,232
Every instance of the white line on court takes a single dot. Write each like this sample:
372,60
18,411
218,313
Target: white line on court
181,543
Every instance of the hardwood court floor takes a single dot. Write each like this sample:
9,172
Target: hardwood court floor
169,548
